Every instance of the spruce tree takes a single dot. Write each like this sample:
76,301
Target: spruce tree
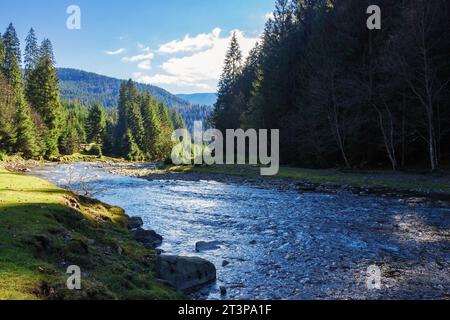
2,53
96,124
131,149
31,51
42,93
7,117
152,123
177,120
221,117
12,50
46,50
25,130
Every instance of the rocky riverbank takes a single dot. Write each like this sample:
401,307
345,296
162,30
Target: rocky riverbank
45,229
185,274
151,172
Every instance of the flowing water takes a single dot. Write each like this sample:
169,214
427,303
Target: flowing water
282,244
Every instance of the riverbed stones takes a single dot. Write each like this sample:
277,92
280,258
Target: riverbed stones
135,222
149,238
185,273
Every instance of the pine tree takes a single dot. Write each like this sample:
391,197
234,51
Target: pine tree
96,124
42,93
165,144
131,149
7,117
12,50
2,53
46,50
153,130
222,117
31,51
25,130
177,120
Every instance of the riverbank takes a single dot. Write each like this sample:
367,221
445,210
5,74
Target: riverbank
45,229
422,187
268,243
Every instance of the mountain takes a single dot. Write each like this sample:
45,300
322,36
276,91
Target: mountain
88,88
205,99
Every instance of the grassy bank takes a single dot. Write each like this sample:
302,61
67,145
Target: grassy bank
438,183
44,229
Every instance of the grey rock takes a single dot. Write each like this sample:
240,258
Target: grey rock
205,246
225,263
149,238
185,273
135,222
223,290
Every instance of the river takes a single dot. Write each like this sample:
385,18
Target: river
283,244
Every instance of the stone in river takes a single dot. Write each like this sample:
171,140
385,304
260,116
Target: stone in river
135,222
185,273
205,246
149,238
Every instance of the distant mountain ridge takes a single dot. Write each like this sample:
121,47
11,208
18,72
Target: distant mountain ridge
88,87
204,99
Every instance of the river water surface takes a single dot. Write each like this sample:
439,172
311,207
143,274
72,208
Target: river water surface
282,244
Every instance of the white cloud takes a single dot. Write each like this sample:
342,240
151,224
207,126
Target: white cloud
164,79
269,15
191,44
139,57
116,52
143,48
145,65
200,69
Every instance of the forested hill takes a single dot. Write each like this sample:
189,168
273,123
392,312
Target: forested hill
89,88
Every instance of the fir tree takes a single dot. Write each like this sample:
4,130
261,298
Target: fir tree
221,117
152,123
46,50
96,124
25,131
31,51
131,149
12,50
2,53
42,93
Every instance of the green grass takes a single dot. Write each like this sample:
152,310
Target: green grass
438,183
43,229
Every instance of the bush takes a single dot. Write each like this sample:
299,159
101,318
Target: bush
95,150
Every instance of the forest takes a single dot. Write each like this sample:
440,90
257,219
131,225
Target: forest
342,95
35,123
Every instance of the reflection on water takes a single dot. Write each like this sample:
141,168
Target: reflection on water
278,245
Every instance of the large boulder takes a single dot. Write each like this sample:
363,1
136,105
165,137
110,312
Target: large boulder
135,222
185,273
149,238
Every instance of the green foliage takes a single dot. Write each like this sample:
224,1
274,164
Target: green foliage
96,124
95,150
31,51
144,127
131,149
42,93
341,94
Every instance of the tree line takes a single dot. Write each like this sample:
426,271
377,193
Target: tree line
343,95
35,123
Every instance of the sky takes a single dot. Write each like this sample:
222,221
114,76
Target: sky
178,45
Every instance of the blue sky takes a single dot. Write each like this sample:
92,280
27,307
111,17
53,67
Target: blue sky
175,44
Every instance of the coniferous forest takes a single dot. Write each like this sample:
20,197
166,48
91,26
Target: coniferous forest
343,95
35,123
